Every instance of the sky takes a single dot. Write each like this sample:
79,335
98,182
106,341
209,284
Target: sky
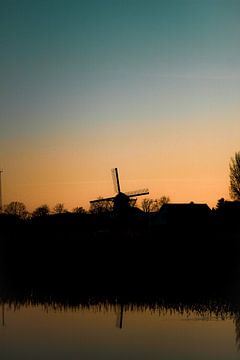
148,86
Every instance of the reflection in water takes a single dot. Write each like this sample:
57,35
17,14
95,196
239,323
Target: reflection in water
237,329
153,330
3,314
119,322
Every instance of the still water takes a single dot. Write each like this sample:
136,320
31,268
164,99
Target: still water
115,332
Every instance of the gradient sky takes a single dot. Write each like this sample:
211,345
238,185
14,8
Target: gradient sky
151,87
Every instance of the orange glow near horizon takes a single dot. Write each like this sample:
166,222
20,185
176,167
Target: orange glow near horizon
75,169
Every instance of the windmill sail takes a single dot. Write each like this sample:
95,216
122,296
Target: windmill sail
115,178
137,192
101,200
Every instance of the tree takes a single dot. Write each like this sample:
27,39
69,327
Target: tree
79,210
158,203
59,208
149,205
16,208
42,210
234,167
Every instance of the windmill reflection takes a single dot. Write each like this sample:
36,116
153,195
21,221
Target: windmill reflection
119,322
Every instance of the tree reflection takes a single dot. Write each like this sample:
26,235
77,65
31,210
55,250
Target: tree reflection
237,328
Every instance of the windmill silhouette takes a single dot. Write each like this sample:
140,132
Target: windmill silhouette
120,200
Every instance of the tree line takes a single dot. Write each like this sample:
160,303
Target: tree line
19,209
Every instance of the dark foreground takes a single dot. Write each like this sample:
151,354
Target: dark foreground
76,261
69,288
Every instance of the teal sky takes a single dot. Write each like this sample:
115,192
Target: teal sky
83,71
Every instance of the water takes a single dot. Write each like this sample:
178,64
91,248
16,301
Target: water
104,331
163,297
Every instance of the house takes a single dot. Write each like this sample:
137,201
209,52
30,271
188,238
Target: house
183,214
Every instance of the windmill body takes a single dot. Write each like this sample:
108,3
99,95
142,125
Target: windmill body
121,201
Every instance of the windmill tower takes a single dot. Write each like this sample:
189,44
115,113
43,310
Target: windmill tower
121,200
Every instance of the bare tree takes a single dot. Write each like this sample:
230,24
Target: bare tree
146,205
79,210
16,208
158,203
59,209
42,210
234,167
149,205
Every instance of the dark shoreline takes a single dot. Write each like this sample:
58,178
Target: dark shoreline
75,256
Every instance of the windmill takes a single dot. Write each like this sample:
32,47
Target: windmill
120,200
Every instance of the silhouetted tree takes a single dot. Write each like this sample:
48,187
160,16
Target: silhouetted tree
235,176
146,205
101,207
79,210
164,200
149,205
42,210
59,209
16,208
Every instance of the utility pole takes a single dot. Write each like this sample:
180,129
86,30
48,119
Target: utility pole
1,201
